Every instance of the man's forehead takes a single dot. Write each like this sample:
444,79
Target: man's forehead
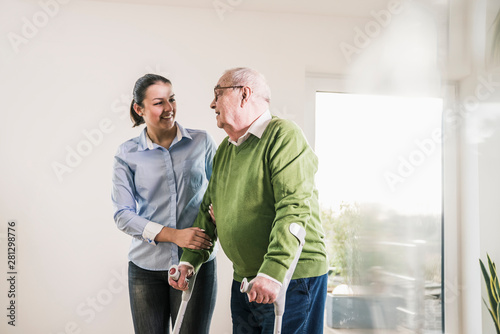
222,81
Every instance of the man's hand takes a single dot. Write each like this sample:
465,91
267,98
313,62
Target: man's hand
186,272
263,291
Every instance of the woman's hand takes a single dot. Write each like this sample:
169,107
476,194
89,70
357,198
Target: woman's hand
192,237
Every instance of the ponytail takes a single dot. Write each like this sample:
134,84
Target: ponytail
134,117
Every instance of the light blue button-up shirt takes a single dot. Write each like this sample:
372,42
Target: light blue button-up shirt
155,187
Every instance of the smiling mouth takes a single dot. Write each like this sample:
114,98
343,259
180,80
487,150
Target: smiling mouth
167,116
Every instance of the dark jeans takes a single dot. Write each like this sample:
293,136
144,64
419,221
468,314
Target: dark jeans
304,309
154,302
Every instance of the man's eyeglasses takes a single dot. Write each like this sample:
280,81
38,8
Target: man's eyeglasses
215,90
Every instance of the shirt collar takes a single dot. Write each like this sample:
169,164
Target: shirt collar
147,143
257,128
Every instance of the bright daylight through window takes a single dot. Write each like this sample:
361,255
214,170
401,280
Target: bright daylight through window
379,183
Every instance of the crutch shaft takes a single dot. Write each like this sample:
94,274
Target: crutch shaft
277,324
186,295
180,317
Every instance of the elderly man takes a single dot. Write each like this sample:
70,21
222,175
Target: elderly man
262,181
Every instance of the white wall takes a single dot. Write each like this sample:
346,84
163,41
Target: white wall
479,105
74,74
489,193
480,184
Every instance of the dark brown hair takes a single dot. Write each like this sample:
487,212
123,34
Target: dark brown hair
140,87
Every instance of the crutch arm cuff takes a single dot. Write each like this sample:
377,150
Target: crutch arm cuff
187,264
269,278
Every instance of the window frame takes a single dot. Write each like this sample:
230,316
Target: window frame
451,290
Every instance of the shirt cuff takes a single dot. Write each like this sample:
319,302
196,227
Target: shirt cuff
151,231
269,278
187,264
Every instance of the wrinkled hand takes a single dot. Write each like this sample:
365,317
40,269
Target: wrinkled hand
193,238
263,291
186,272
211,213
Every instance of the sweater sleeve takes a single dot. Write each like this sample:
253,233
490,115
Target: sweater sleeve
203,220
292,165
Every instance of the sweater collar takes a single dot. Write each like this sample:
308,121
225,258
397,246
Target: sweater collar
257,128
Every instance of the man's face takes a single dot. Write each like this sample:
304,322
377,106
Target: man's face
226,104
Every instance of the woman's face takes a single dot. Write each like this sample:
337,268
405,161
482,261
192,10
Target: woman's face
159,107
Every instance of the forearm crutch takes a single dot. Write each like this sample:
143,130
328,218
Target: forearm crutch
279,304
174,273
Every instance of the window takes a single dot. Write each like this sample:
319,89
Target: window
380,186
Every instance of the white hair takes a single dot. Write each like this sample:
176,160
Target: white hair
244,76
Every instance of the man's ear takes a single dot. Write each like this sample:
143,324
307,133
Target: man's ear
245,95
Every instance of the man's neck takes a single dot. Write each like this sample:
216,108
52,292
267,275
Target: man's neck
235,134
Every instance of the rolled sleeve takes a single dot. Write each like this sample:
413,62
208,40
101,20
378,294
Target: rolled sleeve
151,231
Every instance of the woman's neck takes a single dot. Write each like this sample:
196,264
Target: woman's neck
163,138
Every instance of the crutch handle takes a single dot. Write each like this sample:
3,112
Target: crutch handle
174,272
245,286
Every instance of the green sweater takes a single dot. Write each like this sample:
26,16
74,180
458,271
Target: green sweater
258,189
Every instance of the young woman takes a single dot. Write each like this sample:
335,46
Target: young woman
159,179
